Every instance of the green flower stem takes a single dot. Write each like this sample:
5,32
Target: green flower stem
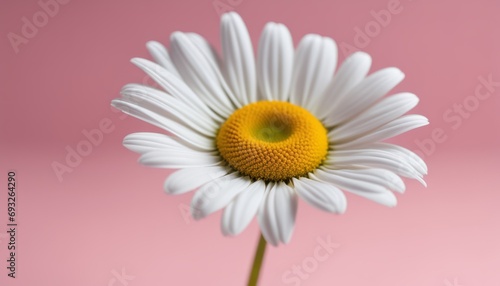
257,262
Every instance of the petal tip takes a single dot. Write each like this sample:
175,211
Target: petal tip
152,44
176,36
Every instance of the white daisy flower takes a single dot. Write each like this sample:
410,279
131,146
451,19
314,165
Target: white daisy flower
254,136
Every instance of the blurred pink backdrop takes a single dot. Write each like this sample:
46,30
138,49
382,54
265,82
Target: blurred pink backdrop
108,221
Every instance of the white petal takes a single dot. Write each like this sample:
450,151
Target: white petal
314,64
142,142
321,195
169,107
391,129
408,155
372,159
266,223
184,133
391,161
199,73
160,55
211,55
206,50
174,86
217,194
406,163
367,92
239,213
277,213
239,61
352,71
188,179
381,113
275,62
176,158
361,182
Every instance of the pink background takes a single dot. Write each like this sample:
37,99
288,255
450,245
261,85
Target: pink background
110,213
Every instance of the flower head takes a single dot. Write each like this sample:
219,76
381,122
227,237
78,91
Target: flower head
253,136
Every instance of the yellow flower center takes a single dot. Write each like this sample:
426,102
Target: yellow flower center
272,141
